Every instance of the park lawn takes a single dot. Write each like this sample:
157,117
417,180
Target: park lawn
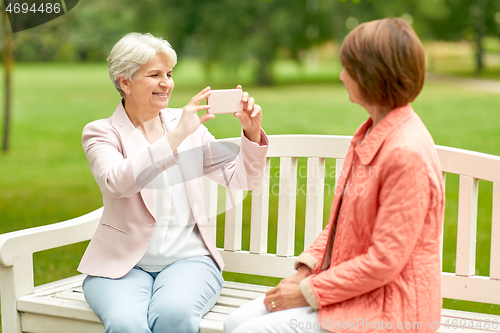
45,176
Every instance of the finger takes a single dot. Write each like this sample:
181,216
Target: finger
244,97
206,117
239,87
199,108
272,305
201,95
192,109
199,98
206,89
239,115
251,104
256,111
267,304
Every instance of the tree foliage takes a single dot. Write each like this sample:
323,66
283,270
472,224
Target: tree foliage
232,32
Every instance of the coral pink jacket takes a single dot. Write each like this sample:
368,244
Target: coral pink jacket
376,266
123,163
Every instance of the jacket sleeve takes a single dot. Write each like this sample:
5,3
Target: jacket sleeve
239,168
313,255
118,176
404,199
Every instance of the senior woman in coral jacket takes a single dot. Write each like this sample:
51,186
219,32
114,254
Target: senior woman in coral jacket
152,263
376,266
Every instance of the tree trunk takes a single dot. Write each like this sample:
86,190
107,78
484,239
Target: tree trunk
479,51
8,63
264,73
265,58
478,17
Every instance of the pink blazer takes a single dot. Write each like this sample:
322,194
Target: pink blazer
122,162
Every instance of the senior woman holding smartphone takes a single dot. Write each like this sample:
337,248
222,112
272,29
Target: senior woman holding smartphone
376,266
152,263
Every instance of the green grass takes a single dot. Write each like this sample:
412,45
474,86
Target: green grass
45,177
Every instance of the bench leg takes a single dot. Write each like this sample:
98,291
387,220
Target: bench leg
15,281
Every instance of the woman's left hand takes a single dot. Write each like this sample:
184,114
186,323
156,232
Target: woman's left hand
250,118
284,296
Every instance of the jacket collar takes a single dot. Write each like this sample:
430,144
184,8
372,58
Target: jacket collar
120,118
131,137
369,146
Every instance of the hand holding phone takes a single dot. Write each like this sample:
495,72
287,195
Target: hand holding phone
225,101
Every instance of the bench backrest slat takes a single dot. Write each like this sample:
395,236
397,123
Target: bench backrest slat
210,192
259,218
314,199
286,206
234,222
467,226
495,234
441,242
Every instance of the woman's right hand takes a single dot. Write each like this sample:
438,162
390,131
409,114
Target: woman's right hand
189,121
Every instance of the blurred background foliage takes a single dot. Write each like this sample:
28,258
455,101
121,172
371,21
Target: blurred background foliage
232,34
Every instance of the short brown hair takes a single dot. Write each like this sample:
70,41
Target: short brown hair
386,58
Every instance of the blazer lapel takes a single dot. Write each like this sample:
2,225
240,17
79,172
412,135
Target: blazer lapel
131,137
188,156
169,118
132,142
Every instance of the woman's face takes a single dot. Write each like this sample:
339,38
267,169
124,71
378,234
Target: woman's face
152,84
352,87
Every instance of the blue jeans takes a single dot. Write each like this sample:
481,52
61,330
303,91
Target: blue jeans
173,300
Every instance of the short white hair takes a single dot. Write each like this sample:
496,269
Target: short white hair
133,51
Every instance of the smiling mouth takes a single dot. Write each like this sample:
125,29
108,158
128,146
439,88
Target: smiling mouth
161,94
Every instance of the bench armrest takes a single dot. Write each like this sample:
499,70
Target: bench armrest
29,241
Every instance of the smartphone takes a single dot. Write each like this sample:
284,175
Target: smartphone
225,101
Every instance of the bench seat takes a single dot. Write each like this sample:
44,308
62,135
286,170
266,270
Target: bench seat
64,299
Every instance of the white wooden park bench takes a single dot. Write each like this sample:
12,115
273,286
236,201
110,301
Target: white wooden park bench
59,307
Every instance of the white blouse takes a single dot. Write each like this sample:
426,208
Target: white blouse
176,235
